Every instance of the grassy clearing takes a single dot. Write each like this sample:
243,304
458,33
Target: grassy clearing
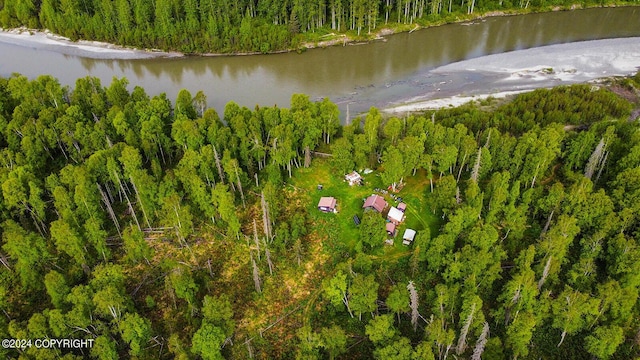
350,199
416,194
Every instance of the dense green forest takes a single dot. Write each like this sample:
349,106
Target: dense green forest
223,26
162,230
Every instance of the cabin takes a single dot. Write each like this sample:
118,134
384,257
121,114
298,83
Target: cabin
375,202
327,204
391,229
353,178
402,207
395,216
408,237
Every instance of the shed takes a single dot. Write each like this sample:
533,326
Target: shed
327,204
353,178
391,229
408,237
402,207
375,202
395,216
356,220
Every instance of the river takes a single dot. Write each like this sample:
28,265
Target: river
426,64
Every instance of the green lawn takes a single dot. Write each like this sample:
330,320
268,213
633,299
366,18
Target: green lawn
416,194
351,198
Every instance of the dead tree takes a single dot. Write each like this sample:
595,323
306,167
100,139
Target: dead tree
266,219
413,304
481,342
110,211
256,274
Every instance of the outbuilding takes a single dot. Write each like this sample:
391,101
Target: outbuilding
395,216
327,204
408,237
353,178
391,229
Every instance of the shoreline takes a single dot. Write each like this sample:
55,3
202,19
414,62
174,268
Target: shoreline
461,19
450,102
47,40
512,73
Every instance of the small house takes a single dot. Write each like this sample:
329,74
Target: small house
391,229
375,202
354,178
327,204
402,207
395,216
408,237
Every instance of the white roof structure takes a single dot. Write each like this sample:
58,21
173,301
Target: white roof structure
395,215
353,178
408,236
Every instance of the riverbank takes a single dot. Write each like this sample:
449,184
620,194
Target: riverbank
46,40
515,72
343,39
452,101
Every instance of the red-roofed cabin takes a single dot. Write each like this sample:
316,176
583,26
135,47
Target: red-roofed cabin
402,207
391,229
327,204
375,202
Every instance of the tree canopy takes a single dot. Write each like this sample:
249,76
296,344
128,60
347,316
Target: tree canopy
160,230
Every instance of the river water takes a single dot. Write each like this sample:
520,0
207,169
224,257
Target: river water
400,68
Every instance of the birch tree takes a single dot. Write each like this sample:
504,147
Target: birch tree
572,311
335,289
398,300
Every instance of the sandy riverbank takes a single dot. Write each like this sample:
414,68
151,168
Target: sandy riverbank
46,40
514,72
452,101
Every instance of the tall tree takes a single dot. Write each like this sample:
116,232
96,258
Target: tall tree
135,331
398,300
572,311
394,167
363,294
28,250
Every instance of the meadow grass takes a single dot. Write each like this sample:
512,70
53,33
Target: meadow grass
415,194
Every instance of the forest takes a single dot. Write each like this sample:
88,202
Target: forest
257,26
161,229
